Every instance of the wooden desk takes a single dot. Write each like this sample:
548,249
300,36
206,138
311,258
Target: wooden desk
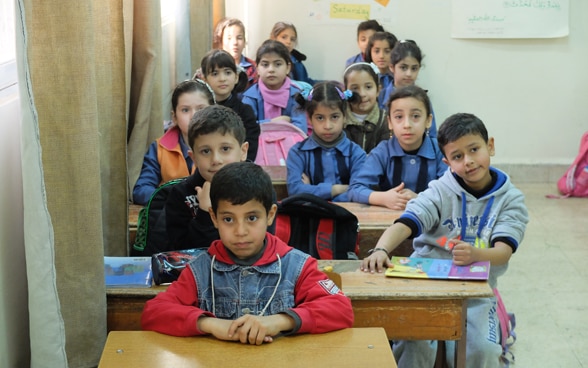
410,309
373,220
352,347
278,174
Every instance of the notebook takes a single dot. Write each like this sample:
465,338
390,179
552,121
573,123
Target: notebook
433,268
127,272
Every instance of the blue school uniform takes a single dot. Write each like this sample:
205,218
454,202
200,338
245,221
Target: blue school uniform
338,165
388,165
253,98
298,71
386,82
354,59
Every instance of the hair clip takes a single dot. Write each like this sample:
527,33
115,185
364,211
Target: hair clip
307,94
371,65
407,41
207,87
345,95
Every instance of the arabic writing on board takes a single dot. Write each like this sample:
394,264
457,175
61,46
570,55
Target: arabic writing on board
510,18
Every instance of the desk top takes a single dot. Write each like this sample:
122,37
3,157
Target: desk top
369,217
358,285
352,347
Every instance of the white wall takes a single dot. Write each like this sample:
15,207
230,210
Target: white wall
14,326
530,92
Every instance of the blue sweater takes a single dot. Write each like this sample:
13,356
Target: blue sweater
301,159
378,168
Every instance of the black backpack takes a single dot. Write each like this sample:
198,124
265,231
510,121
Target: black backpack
151,225
318,227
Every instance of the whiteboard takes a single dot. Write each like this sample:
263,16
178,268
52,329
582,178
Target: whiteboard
510,18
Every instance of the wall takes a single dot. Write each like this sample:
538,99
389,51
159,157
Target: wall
529,92
14,327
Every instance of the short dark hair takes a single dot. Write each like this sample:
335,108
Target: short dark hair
216,119
241,182
273,47
217,39
219,59
379,36
413,91
188,86
370,24
459,125
404,49
328,93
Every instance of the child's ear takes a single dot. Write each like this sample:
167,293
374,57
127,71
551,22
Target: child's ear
244,149
213,217
288,67
389,120
191,154
271,215
490,145
429,121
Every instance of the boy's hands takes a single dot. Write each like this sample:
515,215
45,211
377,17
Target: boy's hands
259,329
248,329
463,253
378,261
203,195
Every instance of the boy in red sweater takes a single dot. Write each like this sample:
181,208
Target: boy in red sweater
249,286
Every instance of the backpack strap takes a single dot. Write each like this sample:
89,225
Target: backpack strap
507,325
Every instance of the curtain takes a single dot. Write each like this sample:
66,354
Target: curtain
90,91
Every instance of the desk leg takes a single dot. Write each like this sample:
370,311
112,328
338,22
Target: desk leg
460,345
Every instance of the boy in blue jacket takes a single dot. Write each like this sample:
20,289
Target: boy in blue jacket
472,213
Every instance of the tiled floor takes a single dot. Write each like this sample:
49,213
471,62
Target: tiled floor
546,285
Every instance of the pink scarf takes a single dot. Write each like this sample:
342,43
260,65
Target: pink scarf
274,100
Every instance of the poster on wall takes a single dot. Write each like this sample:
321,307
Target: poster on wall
510,18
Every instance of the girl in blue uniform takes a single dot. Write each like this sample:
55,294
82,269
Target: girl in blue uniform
403,165
324,163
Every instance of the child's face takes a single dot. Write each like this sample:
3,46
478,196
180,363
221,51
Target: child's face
188,104
234,41
381,51
362,82
273,70
327,122
408,120
469,158
222,81
242,228
213,151
363,37
288,38
405,72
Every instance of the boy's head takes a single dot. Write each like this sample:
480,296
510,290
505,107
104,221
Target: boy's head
217,137
365,30
467,149
241,196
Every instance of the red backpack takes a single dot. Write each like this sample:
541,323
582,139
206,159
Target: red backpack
574,183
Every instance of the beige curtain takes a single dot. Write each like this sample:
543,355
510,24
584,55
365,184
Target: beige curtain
90,87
